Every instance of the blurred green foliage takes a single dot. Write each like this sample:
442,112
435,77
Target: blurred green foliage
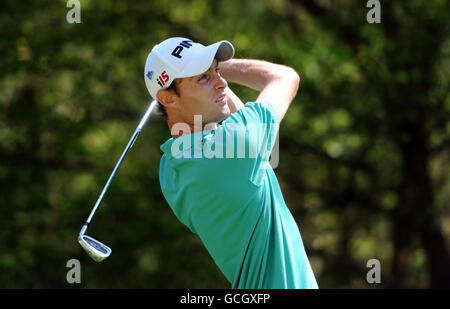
364,148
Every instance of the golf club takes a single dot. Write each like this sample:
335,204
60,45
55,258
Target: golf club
96,250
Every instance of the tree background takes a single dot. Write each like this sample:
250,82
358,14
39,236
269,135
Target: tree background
364,147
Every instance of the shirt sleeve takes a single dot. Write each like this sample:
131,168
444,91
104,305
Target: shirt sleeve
260,118
258,124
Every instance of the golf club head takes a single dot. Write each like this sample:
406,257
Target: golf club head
96,250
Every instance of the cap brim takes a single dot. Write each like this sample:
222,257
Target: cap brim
221,51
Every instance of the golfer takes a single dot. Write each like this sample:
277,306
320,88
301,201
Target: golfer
229,196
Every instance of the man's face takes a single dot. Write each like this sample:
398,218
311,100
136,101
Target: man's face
203,95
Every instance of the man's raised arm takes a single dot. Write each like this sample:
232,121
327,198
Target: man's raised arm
277,84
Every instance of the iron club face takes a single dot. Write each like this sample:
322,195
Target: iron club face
95,249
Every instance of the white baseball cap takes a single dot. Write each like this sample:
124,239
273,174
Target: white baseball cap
181,57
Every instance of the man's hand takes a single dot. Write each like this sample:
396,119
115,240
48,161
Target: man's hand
278,84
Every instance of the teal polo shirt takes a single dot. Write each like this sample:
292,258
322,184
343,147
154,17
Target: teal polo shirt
220,184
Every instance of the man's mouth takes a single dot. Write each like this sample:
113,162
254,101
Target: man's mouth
222,100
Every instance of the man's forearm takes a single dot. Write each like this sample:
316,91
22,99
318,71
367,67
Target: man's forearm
277,84
255,74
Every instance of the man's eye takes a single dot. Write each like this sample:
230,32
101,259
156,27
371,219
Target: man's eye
203,77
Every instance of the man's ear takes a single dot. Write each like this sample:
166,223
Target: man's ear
166,98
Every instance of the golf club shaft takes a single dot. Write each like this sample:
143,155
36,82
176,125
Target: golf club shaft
119,163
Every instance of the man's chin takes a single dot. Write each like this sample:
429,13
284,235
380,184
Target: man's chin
225,113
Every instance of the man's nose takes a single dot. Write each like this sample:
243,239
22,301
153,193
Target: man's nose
221,83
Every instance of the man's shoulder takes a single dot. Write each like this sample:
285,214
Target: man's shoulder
254,112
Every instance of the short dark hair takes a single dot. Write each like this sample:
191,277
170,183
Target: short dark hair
161,109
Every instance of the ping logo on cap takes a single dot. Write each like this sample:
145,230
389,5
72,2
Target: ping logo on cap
184,44
162,79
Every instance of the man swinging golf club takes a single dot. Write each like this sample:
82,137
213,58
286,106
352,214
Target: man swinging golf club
231,199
